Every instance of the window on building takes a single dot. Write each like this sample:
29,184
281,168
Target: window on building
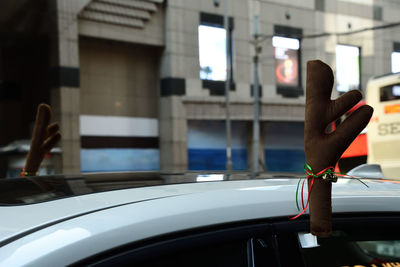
348,72
396,61
286,43
286,61
395,58
212,53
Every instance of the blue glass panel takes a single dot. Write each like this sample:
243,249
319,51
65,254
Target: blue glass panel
215,159
285,160
114,159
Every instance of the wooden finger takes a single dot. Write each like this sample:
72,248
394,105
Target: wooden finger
318,92
35,155
52,129
320,77
347,131
43,117
343,104
50,142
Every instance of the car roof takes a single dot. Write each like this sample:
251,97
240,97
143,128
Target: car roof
392,74
276,195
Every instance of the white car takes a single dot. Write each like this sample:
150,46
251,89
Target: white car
58,222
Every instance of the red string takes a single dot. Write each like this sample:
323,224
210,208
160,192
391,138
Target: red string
308,200
310,174
25,173
313,176
302,199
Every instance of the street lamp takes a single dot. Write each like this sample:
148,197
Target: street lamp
256,124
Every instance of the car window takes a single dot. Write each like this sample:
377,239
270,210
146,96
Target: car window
356,241
213,254
348,253
355,248
390,92
389,249
230,247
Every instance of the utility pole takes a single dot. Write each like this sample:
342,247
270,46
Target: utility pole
229,165
256,126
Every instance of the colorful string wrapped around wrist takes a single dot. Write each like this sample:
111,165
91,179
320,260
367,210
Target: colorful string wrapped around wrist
327,174
25,173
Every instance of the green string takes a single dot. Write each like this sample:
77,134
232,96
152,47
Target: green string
297,193
309,172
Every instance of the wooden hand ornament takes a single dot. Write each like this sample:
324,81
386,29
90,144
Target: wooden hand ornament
45,137
324,149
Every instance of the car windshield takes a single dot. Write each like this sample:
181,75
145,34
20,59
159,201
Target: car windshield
132,87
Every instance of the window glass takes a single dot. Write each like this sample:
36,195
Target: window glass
347,67
383,248
198,252
286,53
212,53
390,92
350,249
283,146
250,245
395,61
207,145
227,254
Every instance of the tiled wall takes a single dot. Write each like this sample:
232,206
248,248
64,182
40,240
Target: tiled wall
118,79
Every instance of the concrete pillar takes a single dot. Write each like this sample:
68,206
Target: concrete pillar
64,71
172,132
172,116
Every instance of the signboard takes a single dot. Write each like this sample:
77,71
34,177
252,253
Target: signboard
286,53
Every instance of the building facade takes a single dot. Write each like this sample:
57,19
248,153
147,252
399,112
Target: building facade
140,84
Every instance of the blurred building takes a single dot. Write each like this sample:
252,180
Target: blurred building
139,84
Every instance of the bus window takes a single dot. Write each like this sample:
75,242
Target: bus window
383,94
390,92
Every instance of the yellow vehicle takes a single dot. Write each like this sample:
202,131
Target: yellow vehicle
383,94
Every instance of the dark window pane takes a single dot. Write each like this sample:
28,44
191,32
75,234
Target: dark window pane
390,92
354,248
218,255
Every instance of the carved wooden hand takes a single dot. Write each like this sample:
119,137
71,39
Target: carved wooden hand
45,137
324,149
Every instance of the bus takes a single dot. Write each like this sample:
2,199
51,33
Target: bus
383,94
